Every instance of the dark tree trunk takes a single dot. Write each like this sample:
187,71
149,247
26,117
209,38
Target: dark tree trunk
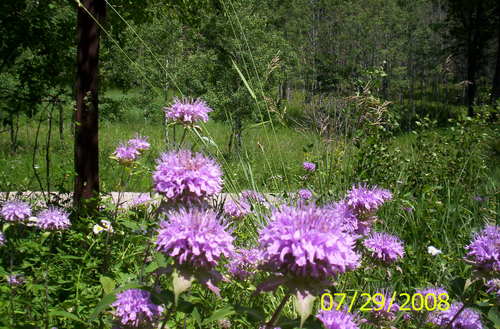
86,116
495,90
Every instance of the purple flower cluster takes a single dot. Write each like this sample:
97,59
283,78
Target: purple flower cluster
305,194
194,237
139,142
493,286
384,247
236,209
304,242
188,111
365,200
333,319
244,263
141,199
253,196
53,219
344,216
130,151
309,166
467,319
484,250
15,279
15,211
386,313
134,308
182,175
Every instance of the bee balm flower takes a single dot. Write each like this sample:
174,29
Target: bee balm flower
53,219
15,211
135,309
385,247
188,111
484,250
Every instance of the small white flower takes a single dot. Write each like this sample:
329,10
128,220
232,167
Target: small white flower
433,251
32,221
97,229
107,226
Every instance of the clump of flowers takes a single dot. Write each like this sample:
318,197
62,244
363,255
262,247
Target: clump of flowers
253,196
141,199
140,143
134,308
309,166
334,319
363,199
236,209
126,153
183,175
304,242
15,211
467,319
484,250
384,247
195,237
105,226
344,216
15,279
305,194
187,111
244,263
53,219
493,286
388,311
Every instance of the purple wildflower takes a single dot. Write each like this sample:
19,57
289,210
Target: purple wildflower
363,199
467,319
134,308
309,166
343,215
126,153
15,279
388,311
194,237
333,319
244,262
493,286
253,196
236,209
15,211
188,111
305,194
182,175
305,242
141,199
53,219
2,239
139,142
408,209
484,250
385,247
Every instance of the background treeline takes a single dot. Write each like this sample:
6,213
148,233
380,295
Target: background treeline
301,57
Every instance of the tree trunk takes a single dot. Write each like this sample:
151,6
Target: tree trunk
86,116
495,90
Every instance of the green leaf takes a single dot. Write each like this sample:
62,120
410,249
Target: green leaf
494,316
196,316
220,314
304,305
108,284
65,314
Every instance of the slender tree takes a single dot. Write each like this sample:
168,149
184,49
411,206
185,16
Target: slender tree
90,13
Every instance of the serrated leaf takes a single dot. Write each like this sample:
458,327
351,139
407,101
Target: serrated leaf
108,284
304,304
220,314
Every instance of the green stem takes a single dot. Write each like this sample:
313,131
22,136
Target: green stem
276,314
